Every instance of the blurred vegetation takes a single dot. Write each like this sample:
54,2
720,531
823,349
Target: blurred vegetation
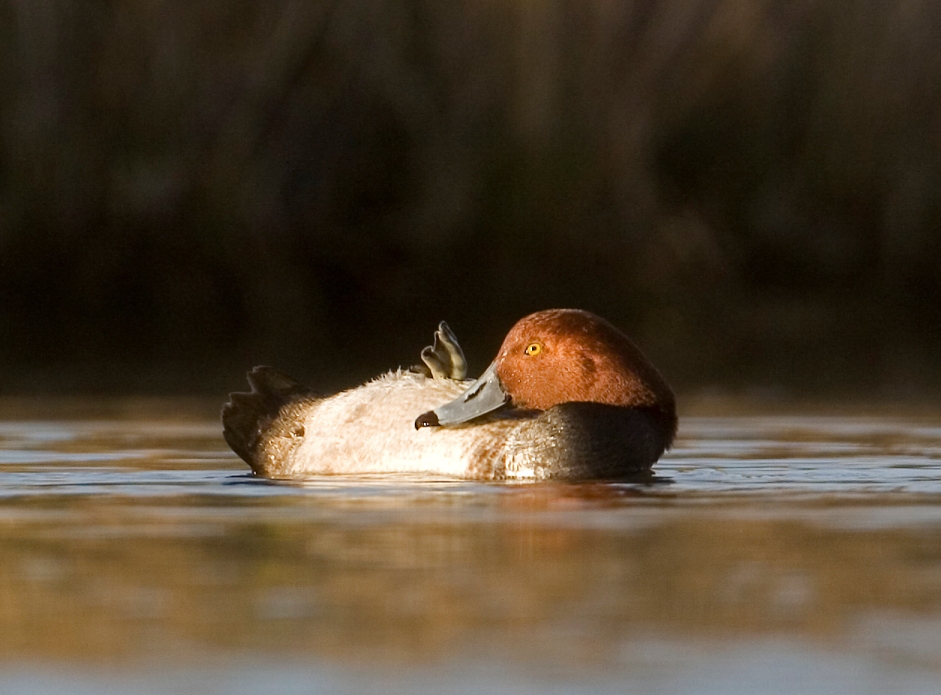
750,188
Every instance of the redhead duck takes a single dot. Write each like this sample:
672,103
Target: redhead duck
568,396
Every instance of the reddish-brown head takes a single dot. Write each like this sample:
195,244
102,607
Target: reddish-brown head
563,355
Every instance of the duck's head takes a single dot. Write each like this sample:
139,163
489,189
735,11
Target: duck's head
562,356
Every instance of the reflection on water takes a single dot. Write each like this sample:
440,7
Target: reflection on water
802,554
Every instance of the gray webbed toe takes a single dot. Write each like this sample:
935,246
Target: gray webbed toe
444,359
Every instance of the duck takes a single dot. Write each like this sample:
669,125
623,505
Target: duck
568,396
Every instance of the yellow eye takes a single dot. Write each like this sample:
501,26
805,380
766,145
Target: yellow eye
533,349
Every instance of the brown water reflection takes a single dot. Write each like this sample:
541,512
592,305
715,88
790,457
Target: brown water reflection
169,554
93,578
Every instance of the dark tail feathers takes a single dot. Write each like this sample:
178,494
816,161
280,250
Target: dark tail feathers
247,416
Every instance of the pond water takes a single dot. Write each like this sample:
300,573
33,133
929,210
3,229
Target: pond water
772,554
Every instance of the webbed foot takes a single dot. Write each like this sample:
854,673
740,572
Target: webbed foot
444,359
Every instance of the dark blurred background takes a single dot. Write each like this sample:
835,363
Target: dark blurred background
749,188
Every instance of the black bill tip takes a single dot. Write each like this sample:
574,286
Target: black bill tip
429,419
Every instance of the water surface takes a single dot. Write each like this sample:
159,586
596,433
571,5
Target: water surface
773,553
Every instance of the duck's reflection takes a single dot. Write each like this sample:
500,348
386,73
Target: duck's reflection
101,580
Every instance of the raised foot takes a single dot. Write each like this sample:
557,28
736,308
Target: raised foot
444,359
